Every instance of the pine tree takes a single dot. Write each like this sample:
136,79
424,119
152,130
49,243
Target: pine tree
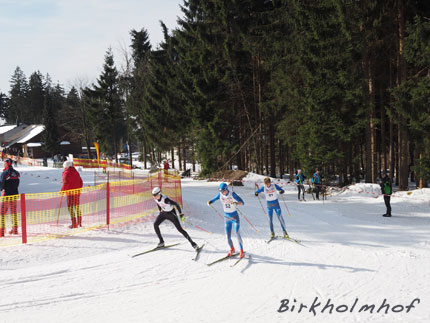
73,116
4,106
36,98
106,108
51,139
18,98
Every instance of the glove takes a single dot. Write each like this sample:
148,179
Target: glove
209,202
182,216
281,192
256,194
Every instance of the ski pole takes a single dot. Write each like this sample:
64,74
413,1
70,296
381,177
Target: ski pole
286,206
247,220
215,210
265,213
196,226
59,209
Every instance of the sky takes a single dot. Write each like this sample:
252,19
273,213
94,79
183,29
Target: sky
68,39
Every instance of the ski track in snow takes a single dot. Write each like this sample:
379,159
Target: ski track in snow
349,251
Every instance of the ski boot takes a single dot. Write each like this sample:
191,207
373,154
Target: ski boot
74,224
160,245
14,230
231,252
195,246
242,253
286,236
272,235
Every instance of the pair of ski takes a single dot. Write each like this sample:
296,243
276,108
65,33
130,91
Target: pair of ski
168,246
230,257
289,239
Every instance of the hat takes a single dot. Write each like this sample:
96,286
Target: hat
67,163
156,191
223,187
8,161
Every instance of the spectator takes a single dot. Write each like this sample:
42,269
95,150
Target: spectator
299,181
386,189
72,185
9,183
166,166
316,180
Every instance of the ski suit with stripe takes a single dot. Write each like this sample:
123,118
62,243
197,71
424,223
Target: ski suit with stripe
271,193
231,217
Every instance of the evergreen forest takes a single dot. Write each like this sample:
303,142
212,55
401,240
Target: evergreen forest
267,86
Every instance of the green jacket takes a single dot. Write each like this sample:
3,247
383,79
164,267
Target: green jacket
386,187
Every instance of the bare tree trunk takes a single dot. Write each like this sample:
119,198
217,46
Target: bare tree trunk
145,156
272,149
180,157
172,154
281,159
370,126
184,150
403,131
383,130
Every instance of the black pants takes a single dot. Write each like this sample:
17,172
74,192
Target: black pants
387,203
317,191
171,216
301,187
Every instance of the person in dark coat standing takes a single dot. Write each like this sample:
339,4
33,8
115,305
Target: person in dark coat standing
387,190
300,179
72,184
9,183
316,180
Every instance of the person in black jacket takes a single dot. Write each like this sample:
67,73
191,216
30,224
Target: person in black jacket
167,210
9,183
386,189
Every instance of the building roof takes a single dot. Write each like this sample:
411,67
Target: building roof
26,134
4,129
32,132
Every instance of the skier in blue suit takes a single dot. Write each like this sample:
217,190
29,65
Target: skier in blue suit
271,192
229,200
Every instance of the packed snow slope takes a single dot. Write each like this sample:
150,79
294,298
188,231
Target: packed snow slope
351,259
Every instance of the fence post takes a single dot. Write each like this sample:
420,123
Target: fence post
23,219
107,202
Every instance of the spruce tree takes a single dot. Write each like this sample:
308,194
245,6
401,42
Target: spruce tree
4,106
18,98
106,108
51,139
36,98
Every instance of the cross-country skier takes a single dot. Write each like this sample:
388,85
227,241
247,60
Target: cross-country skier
386,189
316,180
167,210
271,192
231,217
299,181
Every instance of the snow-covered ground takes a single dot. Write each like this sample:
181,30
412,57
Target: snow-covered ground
351,257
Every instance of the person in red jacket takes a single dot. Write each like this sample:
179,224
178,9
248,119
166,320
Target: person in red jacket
72,184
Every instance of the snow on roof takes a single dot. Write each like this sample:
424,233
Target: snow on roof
34,144
37,129
4,129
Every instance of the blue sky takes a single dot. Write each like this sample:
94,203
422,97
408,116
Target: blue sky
69,38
